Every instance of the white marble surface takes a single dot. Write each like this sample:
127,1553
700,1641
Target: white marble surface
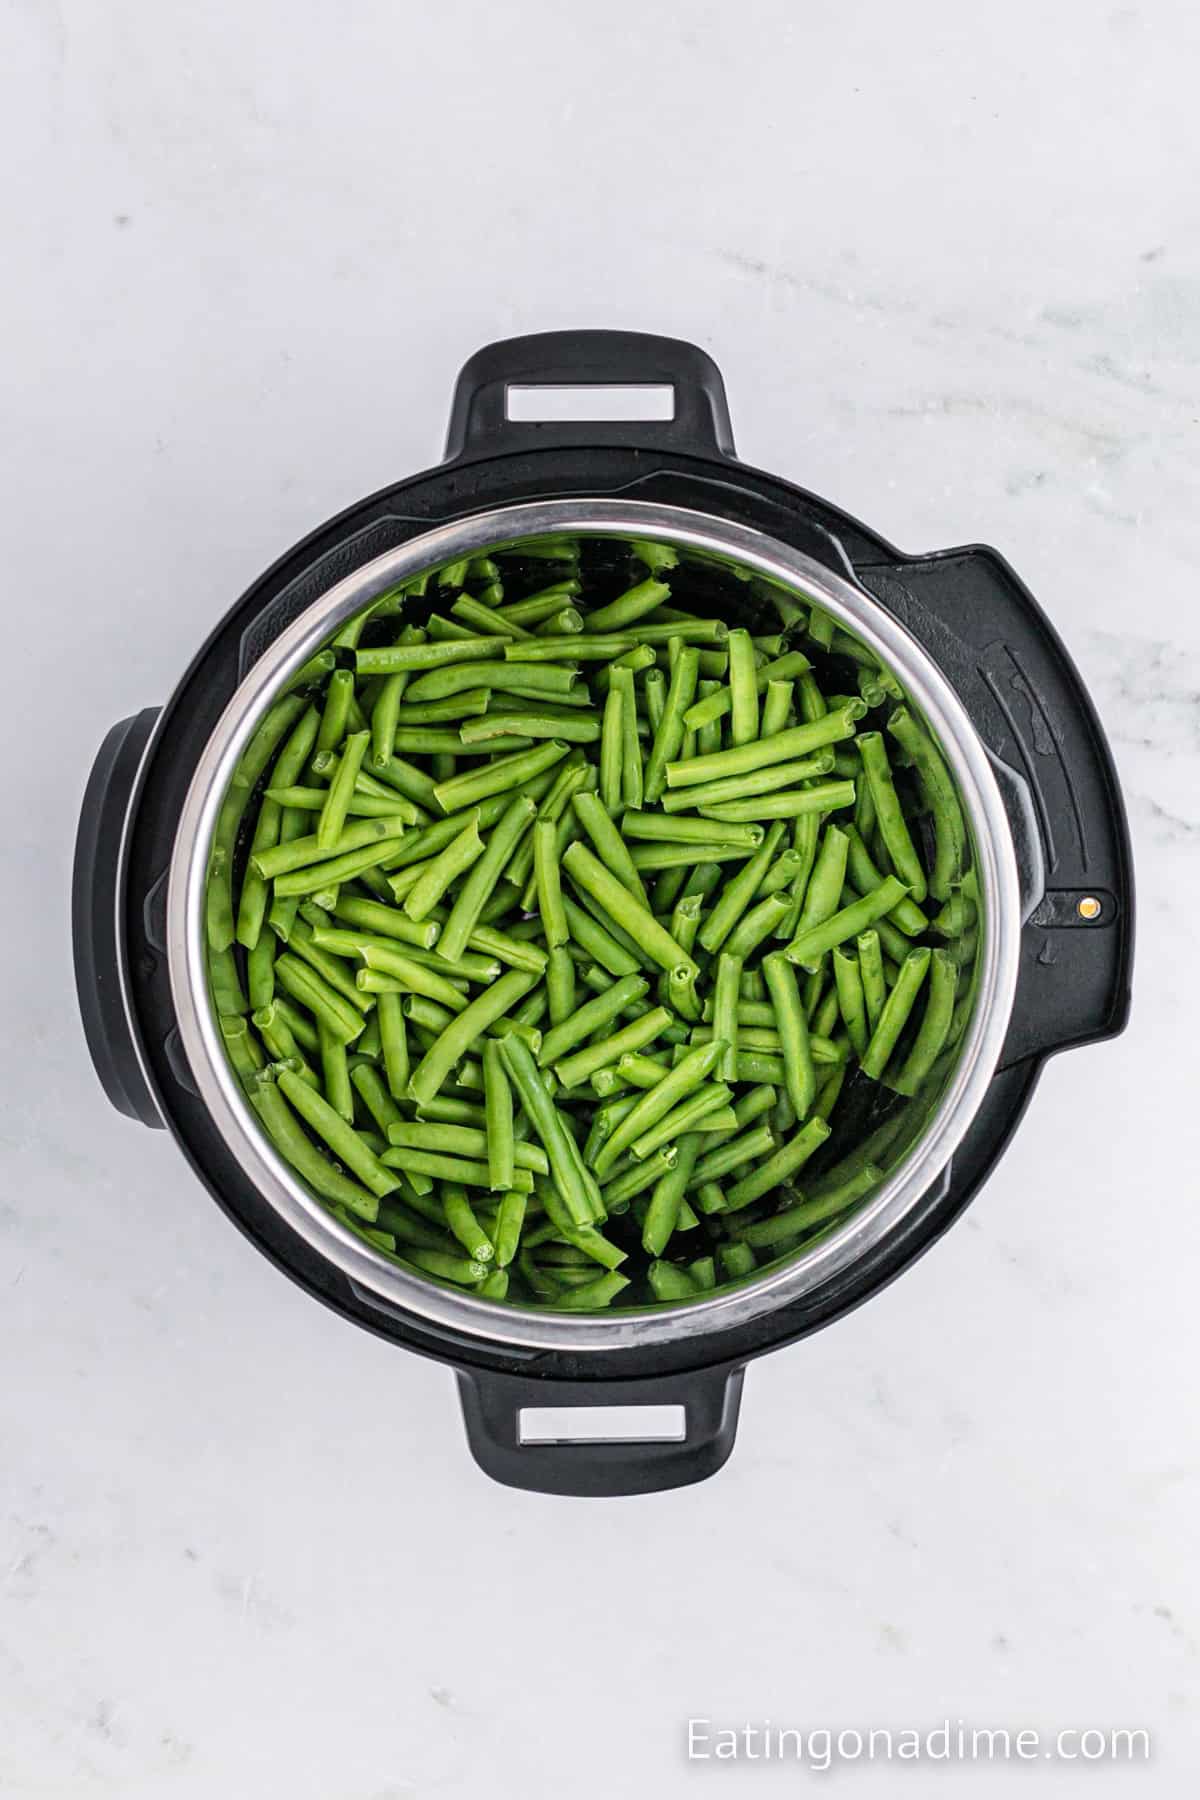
948,261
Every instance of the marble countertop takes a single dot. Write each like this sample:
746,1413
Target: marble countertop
949,266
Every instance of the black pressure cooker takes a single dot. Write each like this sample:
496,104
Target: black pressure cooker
969,642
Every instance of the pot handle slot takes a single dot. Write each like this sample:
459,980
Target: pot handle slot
556,389
97,916
563,1437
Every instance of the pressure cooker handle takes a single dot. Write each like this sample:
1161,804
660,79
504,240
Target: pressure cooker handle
97,923
556,1456
1026,699
504,378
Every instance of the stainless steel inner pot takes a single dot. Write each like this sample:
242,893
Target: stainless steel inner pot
1000,915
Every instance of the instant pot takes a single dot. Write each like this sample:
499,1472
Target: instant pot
972,648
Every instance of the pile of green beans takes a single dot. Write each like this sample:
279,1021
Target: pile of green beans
577,946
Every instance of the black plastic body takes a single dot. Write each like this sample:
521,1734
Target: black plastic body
973,617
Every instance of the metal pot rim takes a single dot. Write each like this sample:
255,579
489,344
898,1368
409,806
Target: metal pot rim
385,1284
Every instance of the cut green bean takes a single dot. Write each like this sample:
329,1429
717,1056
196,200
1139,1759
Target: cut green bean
896,1010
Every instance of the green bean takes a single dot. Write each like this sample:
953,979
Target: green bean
825,883
813,1211
777,708
325,1003
790,1022
444,869
658,828
757,1141
576,1069
462,1270
536,717
549,886
744,787
463,1224
935,1024
260,970
738,894
612,749
851,998
711,708
413,977
332,821
444,1167
557,1142
892,824
341,1138
590,1296
628,607
650,1107
949,830
684,1119
590,877
487,940
302,799
599,943
669,1282
864,877
304,852
725,1020
252,903
641,1071
560,984
757,924
631,750
743,759
824,797
665,1201
870,968
743,688
385,716
634,1180
815,939
339,698
709,1198
461,924
593,1015
498,1109
575,647
654,693
335,1074
805,835
242,1048
282,1127
896,1010
498,777
651,858
609,842
668,738
314,670
453,1043
453,1112
778,1168
219,914
378,920
510,1221
437,1137
656,557
408,1227
375,1097
302,1028
500,677
394,657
